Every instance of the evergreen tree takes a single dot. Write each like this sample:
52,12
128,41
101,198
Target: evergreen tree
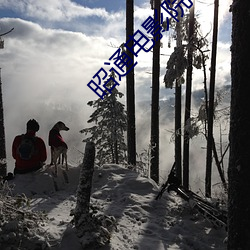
110,120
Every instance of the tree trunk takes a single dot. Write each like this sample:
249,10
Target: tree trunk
218,164
116,152
3,161
131,132
239,159
211,102
93,231
81,215
178,86
154,168
188,99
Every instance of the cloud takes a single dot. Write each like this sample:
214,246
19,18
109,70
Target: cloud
48,61
205,13
55,10
45,74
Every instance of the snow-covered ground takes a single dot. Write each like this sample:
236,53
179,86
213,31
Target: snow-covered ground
141,221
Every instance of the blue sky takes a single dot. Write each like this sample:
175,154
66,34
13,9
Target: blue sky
58,45
109,5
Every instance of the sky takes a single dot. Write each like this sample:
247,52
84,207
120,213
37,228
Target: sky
58,45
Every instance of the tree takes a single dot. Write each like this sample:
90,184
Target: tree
184,57
178,114
154,163
175,68
3,163
210,139
110,124
91,227
188,97
239,159
3,160
131,130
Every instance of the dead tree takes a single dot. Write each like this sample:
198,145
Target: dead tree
188,98
3,162
93,229
178,93
211,103
130,79
154,167
84,187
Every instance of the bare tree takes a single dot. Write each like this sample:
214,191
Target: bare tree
178,155
239,171
188,98
93,230
210,139
131,131
3,163
84,187
3,160
154,168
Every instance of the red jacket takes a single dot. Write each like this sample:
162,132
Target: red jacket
37,159
55,139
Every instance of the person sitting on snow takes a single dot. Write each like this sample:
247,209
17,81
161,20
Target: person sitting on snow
28,150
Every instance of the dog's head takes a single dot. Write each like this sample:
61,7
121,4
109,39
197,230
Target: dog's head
61,126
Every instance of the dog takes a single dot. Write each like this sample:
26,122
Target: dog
58,146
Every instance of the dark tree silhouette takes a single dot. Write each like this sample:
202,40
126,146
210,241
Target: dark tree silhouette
210,139
178,155
131,130
154,167
188,98
3,162
239,160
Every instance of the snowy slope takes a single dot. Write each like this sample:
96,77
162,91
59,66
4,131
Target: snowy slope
141,221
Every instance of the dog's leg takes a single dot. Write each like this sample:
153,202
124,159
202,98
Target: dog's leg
59,159
63,157
66,161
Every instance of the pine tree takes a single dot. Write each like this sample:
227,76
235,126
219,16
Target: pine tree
110,120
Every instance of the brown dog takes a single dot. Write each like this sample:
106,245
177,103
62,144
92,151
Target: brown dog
58,146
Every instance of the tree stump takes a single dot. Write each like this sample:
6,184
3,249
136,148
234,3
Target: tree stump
92,227
84,187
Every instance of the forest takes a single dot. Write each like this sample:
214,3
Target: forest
213,119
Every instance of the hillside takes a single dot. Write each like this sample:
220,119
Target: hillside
141,221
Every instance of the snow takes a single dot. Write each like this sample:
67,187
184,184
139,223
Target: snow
142,222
